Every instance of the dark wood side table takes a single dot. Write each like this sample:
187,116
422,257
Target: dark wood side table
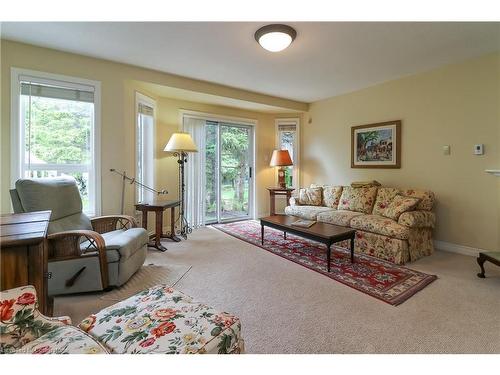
490,256
273,192
158,206
23,254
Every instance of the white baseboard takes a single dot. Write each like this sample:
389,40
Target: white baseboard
457,249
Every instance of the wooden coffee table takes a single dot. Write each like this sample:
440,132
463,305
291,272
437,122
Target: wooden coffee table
327,234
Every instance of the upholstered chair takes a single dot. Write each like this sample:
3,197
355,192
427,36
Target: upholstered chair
24,329
84,254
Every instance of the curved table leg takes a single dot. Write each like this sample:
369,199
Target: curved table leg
480,260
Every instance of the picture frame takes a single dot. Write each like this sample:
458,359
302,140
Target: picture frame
376,145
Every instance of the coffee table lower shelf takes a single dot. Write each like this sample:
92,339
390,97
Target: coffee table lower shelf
327,234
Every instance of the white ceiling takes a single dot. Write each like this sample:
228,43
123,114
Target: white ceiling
326,59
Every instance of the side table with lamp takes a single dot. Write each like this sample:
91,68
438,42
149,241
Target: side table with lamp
281,159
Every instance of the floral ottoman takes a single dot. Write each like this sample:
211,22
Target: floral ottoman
163,320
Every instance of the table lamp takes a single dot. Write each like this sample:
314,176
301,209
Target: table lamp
281,158
180,144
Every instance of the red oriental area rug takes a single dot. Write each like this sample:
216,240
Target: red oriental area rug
378,278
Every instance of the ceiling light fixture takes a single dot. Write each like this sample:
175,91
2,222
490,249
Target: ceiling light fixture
275,37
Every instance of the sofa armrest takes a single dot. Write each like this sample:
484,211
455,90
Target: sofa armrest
418,219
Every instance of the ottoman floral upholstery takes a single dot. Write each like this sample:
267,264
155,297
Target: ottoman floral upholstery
162,320
23,329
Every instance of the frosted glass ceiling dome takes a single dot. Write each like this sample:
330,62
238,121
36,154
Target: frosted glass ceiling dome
275,37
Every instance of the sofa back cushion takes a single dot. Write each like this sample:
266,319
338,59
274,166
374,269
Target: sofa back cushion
384,197
426,197
358,199
311,196
398,205
331,195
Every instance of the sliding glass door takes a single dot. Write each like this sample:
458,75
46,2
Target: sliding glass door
228,171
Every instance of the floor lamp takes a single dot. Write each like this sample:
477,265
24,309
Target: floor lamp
180,144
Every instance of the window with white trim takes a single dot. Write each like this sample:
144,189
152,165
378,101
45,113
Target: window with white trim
287,139
145,129
55,131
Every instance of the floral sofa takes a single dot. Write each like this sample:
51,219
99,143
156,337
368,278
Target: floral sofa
157,320
391,224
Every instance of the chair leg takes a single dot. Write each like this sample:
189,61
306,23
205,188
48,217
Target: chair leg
480,260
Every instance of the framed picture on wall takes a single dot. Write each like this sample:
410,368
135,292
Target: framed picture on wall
376,145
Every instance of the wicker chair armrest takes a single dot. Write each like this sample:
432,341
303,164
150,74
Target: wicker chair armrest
103,224
66,245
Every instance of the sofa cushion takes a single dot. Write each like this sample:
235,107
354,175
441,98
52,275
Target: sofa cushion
331,196
64,340
384,196
311,196
380,225
306,212
398,205
338,217
162,320
426,198
358,199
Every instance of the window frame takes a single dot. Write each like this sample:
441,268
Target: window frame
296,163
141,98
17,131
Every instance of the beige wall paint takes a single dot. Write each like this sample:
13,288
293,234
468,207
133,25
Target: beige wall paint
457,105
118,85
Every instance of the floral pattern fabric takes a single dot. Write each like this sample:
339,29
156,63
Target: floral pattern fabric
380,225
426,198
331,196
384,196
398,205
338,217
357,199
311,196
306,212
418,219
21,322
63,340
420,243
162,320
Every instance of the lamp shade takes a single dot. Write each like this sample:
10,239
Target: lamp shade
280,158
181,142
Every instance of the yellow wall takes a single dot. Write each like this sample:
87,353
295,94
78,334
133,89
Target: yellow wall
118,85
457,105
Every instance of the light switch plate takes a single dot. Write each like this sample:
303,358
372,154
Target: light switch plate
446,149
479,149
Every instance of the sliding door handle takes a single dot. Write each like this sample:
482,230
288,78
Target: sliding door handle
249,172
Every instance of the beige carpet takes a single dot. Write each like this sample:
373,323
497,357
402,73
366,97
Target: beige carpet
286,308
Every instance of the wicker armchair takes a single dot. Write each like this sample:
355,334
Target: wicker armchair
84,254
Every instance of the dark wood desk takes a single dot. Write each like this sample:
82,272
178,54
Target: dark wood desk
158,206
273,192
23,253
325,233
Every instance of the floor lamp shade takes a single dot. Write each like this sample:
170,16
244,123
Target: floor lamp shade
281,158
181,142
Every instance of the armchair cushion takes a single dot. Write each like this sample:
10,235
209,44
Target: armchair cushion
78,221
384,197
121,244
418,219
338,217
60,195
64,340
